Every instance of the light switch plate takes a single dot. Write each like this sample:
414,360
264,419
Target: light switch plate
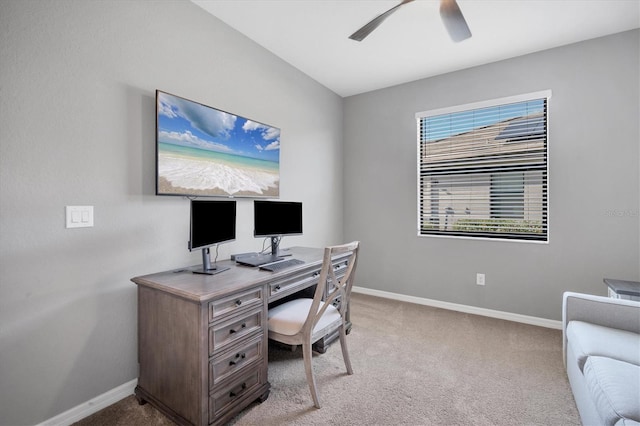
79,216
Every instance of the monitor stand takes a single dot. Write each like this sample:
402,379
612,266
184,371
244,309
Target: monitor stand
259,259
275,248
207,268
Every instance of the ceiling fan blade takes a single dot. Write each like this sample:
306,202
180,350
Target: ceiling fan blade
454,21
375,22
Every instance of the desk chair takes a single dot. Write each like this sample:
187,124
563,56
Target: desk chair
305,321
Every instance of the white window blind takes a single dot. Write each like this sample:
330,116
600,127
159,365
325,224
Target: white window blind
482,169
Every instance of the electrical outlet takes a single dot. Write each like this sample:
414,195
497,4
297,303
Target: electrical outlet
480,279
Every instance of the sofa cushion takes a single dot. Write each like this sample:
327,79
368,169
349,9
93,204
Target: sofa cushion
615,388
591,339
627,422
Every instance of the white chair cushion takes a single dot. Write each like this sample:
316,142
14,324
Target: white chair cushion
289,317
588,339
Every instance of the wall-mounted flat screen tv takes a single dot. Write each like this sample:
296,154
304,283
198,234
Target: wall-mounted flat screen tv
203,151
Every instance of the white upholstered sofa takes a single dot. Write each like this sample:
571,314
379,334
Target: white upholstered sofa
602,356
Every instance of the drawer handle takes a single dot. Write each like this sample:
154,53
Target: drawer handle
244,325
238,355
233,394
238,302
277,288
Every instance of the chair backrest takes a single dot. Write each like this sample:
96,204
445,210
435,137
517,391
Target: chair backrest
331,285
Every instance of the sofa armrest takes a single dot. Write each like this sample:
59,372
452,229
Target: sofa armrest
605,311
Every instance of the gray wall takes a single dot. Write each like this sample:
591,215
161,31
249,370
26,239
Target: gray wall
594,182
77,87
77,83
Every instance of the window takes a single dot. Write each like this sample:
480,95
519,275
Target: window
482,169
507,195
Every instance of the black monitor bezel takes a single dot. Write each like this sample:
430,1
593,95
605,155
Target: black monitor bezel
277,207
231,236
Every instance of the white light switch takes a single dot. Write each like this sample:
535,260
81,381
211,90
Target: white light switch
79,216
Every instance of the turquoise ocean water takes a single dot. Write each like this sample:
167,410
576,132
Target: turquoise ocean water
229,159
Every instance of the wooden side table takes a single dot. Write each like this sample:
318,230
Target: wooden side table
621,289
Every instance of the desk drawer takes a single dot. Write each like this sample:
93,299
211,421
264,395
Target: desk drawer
228,305
292,283
224,365
301,280
222,399
226,333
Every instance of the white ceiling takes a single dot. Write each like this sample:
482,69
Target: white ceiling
312,35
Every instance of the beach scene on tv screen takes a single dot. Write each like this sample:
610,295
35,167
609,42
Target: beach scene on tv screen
204,151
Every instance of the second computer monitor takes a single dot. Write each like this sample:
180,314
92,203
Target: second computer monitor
276,219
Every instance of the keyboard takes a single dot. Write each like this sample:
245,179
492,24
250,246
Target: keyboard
283,264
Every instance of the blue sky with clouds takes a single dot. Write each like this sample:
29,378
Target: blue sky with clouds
186,123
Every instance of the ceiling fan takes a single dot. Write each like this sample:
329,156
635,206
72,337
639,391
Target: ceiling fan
450,13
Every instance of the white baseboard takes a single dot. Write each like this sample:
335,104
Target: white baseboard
542,322
94,405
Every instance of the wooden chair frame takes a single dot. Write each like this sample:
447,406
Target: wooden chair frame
339,290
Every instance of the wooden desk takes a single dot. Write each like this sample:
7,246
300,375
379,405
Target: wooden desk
202,339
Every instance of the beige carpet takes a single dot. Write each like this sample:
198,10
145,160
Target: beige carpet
414,365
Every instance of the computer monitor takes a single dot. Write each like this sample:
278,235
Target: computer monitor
211,223
276,219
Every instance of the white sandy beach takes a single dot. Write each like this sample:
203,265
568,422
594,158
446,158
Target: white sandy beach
199,176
